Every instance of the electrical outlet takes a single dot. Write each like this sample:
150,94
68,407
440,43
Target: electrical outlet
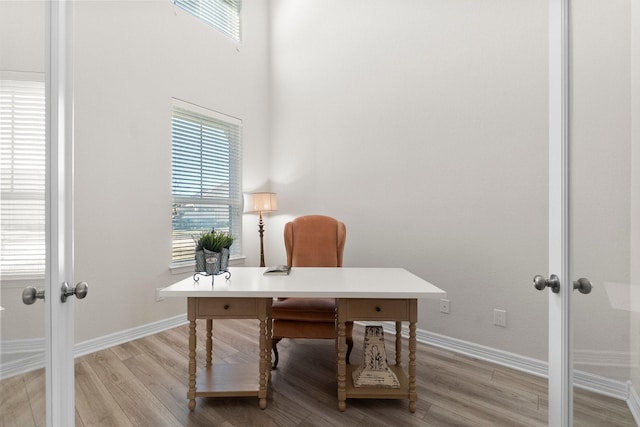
158,297
500,317
444,306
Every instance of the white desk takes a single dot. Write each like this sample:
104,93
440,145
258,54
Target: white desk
381,294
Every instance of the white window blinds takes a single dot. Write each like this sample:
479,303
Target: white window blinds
223,15
206,178
22,179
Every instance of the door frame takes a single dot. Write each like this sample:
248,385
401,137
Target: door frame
59,330
560,304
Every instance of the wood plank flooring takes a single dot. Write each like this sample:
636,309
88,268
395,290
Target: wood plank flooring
144,383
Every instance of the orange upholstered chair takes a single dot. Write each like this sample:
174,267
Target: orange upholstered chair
310,241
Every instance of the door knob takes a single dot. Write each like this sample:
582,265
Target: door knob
80,291
31,294
583,285
553,283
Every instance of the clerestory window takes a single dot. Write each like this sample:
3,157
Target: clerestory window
223,15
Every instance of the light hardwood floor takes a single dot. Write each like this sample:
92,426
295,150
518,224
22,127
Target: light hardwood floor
144,383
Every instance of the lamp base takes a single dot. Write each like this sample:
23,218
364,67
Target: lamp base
261,232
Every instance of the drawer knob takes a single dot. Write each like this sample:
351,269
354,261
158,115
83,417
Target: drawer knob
378,309
226,306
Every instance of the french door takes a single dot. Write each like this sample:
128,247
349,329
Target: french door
590,198
38,324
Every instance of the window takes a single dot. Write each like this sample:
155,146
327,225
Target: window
223,15
22,179
206,178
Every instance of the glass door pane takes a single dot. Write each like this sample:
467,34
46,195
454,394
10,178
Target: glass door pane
600,204
22,211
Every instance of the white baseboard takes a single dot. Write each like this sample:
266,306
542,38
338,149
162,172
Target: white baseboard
117,338
29,345
29,354
21,365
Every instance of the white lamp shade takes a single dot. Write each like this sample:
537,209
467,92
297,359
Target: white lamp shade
260,202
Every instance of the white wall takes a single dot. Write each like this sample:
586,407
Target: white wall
424,129
132,58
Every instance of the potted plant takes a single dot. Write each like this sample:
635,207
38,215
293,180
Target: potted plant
212,251
227,241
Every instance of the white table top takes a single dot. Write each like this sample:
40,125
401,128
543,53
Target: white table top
311,282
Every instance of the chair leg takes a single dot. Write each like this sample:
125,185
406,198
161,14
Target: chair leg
349,348
275,352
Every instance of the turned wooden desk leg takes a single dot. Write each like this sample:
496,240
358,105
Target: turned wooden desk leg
262,391
269,343
413,396
398,344
342,364
191,393
209,340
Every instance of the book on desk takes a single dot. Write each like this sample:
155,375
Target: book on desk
277,270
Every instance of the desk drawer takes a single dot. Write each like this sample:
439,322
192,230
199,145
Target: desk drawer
226,307
378,309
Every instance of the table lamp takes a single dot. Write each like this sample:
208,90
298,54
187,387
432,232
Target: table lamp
260,202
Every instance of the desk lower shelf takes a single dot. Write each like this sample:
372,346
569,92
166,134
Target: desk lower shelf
228,380
378,392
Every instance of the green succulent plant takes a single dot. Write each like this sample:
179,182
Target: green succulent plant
214,241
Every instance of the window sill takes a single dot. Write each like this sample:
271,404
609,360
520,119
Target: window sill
188,267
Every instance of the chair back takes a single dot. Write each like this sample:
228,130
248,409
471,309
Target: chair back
314,241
